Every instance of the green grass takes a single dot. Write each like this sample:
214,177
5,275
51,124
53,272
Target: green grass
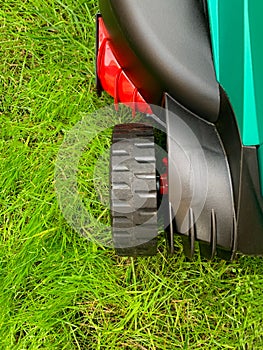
59,290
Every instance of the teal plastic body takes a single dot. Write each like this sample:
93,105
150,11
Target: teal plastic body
237,40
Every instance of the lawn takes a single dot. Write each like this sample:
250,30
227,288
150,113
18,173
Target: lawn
59,290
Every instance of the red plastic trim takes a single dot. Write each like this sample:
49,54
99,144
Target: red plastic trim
112,76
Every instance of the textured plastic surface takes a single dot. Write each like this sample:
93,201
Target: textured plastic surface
111,75
236,32
226,186
165,46
200,186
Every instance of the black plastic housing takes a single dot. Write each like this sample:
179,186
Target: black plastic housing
231,220
164,46
166,52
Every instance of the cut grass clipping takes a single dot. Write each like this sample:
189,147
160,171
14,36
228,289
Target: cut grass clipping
59,290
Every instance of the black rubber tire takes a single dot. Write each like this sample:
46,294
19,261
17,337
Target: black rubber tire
133,190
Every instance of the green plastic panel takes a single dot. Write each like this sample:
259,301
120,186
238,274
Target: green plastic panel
237,32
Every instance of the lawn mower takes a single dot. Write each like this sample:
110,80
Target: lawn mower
196,66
